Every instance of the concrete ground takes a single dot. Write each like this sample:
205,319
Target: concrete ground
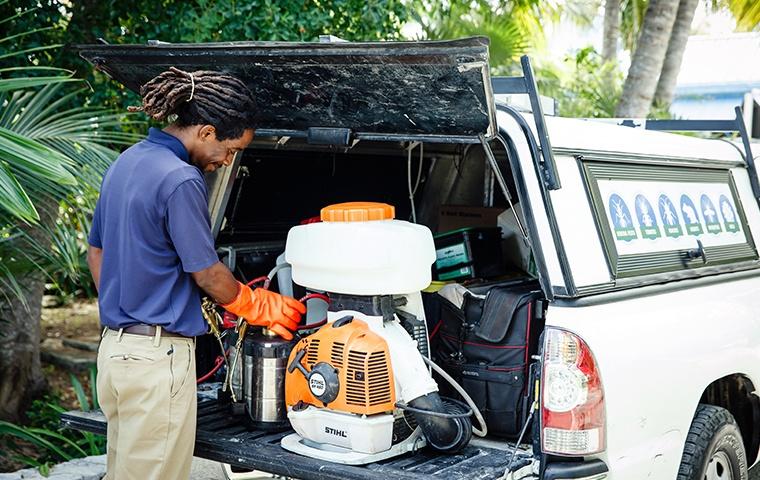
203,469
207,470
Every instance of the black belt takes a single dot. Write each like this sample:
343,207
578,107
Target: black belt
148,331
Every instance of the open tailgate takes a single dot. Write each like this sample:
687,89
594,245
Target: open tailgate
224,438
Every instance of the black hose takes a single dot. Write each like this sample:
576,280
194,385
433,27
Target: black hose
443,423
466,409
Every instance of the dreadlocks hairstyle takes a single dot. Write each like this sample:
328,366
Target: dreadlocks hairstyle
200,98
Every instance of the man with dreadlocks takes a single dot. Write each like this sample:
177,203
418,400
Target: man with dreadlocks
150,250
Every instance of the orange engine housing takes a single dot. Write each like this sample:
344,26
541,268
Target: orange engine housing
361,358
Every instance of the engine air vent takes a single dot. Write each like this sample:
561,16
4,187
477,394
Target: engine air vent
356,379
336,355
368,379
378,379
312,353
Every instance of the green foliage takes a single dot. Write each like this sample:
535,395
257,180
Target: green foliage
53,152
68,270
44,433
746,12
447,20
35,25
584,86
632,17
189,21
48,134
515,27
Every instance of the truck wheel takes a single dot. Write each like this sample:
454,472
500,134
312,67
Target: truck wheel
714,449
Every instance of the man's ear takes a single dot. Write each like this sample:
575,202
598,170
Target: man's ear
207,132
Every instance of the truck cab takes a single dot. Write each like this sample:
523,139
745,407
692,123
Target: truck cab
642,353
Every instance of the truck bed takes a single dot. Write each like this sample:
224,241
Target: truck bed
223,438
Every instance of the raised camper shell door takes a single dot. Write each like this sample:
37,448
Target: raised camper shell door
418,91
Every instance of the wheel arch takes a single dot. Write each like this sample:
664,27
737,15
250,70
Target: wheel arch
736,393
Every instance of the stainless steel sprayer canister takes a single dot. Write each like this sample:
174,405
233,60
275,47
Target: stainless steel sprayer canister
265,357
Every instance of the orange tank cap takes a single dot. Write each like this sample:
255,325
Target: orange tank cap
358,212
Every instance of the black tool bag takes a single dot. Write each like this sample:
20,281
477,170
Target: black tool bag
486,346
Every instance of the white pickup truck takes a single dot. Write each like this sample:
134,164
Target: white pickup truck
644,246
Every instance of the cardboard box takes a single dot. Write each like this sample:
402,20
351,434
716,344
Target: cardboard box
453,217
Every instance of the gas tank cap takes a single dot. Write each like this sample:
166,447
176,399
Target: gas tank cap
358,212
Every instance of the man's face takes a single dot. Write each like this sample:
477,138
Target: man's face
210,153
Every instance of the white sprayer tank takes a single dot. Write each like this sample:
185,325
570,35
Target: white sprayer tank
358,249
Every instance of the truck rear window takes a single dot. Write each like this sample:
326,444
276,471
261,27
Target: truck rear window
655,218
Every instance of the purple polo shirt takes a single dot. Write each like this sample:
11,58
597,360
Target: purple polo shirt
152,222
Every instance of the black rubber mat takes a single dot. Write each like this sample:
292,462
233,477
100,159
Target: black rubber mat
224,438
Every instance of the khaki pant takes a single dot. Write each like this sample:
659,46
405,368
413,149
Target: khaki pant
146,389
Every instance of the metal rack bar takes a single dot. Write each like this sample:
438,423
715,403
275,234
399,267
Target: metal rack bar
736,125
527,85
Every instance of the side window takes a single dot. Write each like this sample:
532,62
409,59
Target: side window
655,219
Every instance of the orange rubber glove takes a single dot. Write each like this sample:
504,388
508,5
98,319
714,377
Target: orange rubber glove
267,309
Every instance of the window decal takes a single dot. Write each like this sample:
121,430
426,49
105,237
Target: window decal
649,231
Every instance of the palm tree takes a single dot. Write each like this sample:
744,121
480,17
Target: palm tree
745,12
611,30
747,16
666,85
647,61
51,154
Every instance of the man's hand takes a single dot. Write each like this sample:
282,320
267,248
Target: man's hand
267,309
259,307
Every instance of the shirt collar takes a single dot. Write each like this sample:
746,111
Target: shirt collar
169,141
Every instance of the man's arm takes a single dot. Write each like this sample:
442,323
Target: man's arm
94,259
217,281
190,230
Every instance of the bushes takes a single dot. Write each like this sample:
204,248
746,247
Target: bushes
44,436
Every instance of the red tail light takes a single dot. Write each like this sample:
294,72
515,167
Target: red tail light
572,397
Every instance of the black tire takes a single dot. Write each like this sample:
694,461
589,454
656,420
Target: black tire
714,447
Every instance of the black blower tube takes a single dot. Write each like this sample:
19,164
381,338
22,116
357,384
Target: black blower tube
444,434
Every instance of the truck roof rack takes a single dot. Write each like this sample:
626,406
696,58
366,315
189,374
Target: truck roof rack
527,85
736,125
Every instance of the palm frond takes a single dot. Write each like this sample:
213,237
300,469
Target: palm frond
50,154
27,51
34,68
45,107
24,34
21,153
18,15
21,83
461,19
746,13
12,104
15,199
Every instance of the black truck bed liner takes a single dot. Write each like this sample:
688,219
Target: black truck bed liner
223,438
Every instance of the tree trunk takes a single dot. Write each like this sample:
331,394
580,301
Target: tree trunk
646,64
21,378
666,86
611,30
